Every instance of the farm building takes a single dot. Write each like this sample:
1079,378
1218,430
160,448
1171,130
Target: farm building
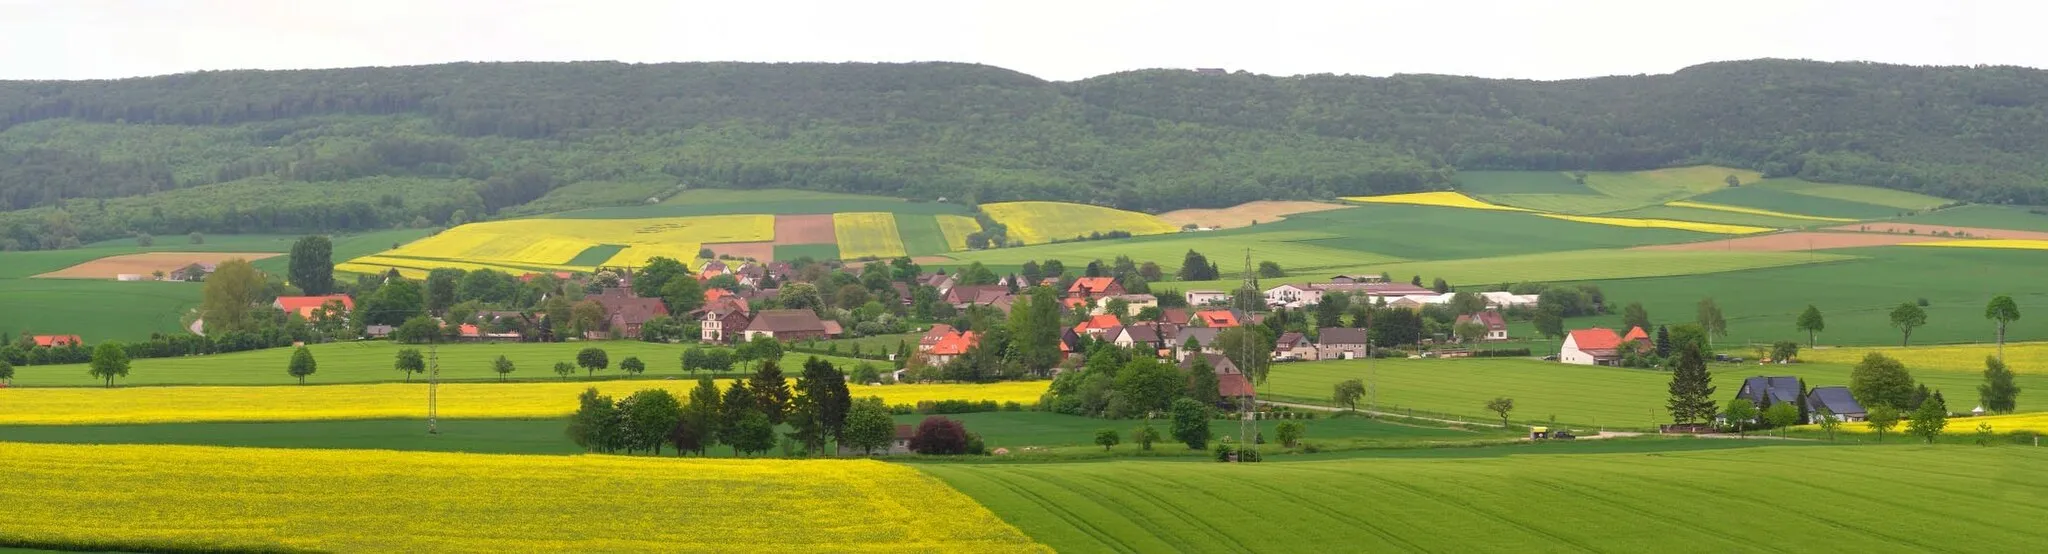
1293,296
1294,346
986,295
932,336
899,444
53,341
1596,346
304,306
1503,300
1340,343
1357,279
786,325
1764,391
1207,297
1230,383
950,346
1133,303
192,272
625,312
1095,287
1837,400
1496,325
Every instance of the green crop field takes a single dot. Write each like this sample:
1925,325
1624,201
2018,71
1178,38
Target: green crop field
813,251
1893,198
1294,250
1718,216
1763,197
1856,296
1584,204
1983,215
1574,394
921,235
1580,265
765,201
1436,233
1017,430
92,309
1611,502
1519,182
371,362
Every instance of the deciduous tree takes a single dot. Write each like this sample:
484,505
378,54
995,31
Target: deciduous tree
868,426
2004,311
564,370
592,359
1290,432
302,364
312,265
1145,434
1880,379
1741,415
1781,415
1812,323
1711,320
1347,393
701,417
1928,420
503,366
109,360
649,415
1107,437
1999,394
939,435
1501,406
1191,423
230,297
1827,420
632,366
1906,317
1881,418
410,362
1633,315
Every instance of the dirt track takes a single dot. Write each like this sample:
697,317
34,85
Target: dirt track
1242,215
804,229
1923,230
145,263
1795,242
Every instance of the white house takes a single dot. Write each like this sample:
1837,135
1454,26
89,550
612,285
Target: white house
1293,296
1596,346
1133,303
1206,297
1504,300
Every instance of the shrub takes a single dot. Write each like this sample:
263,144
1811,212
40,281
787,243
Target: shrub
939,435
1290,433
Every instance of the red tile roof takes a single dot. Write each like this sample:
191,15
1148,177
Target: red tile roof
1234,385
471,331
713,294
954,344
1217,318
1636,333
56,340
304,305
1097,323
1091,285
1596,339
937,333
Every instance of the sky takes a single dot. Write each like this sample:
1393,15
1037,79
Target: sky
1052,39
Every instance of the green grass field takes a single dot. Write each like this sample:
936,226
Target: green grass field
1566,203
1436,233
1707,500
1897,199
921,235
1519,182
1855,296
371,362
813,251
94,310
764,201
1076,434
1719,216
1293,250
1778,200
1578,395
1568,266
1982,215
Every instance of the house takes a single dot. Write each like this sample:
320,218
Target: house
304,306
625,312
1293,347
1219,319
711,295
1496,325
932,336
53,341
725,321
1340,343
378,331
1837,400
987,295
1094,287
1230,383
1292,296
1765,391
192,272
1204,337
1639,338
1133,303
1096,325
900,444
940,281
786,325
1149,336
950,347
1198,298
1596,346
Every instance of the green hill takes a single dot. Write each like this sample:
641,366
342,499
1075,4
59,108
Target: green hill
373,148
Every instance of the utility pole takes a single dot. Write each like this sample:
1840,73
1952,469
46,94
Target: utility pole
1248,423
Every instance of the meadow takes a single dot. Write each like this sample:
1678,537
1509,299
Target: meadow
94,310
1293,250
1587,396
1531,501
1856,296
1982,215
1679,211
199,404
1044,222
1602,192
1438,233
1441,199
1899,200
205,498
710,201
1763,197
867,235
1519,182
923,235
371,362
1580,265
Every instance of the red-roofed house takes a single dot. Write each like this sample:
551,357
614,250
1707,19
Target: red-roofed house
50,341
951,346
625,312
1097,324
1091,287
1636,334
304,306
1219,319
1230,382
713,294
1596,346
932,337
1496,326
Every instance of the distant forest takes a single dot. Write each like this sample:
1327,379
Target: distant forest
348,149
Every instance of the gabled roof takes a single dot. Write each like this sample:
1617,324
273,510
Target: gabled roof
1291,340
955,344
471,331
1491,319
1597,338
622,305
1176,316
1229,381
1837,399
715,293
1778,389
937,332
1635,333
1097,323
56,340
1340,335
1205,336
305,305
786,321
1217,318
1091,285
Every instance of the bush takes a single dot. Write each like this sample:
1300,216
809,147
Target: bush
1013,406
961,406
940,436
1502,353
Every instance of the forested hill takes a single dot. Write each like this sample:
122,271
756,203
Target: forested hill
291,151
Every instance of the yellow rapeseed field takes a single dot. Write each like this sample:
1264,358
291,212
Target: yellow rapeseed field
2021,357
1752,211
1446,199
956,228
556,243
2034,422
1044,222
2012,244
1716,228
867,234
132,497
87,406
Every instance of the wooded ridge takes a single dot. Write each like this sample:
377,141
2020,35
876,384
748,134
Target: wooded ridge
264,151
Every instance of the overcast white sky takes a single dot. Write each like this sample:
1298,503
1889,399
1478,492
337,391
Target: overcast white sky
1054,39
